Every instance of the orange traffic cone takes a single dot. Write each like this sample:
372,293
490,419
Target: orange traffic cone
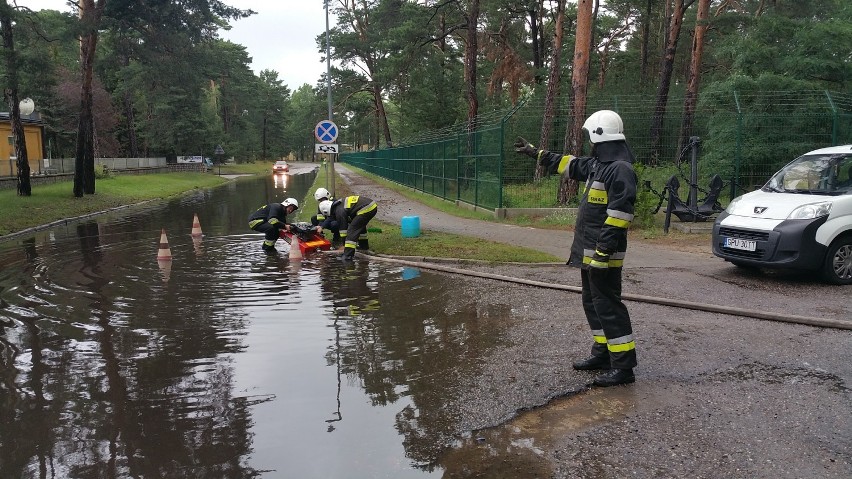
164,253
196,227
295,250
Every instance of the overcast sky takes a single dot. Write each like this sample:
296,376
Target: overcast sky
281,36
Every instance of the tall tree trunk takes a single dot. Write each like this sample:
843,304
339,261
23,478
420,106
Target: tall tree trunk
694,79
536,42
646,34
130,118
263,137
666,68
552,82
470,54
579,88
382,115
10,93
84,166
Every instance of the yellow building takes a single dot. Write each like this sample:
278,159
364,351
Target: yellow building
34,135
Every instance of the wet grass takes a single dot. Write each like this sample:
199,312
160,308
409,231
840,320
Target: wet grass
387,238
56,201
445,245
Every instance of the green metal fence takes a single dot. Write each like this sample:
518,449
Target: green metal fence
745,137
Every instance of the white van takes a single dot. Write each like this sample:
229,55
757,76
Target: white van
801,218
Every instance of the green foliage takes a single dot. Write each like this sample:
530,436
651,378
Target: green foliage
646,200
170,86
102,172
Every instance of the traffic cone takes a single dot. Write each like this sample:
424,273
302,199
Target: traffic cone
164,253
196,227
295,251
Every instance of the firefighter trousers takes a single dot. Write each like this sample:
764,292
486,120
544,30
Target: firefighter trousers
271,232
358,227
608,317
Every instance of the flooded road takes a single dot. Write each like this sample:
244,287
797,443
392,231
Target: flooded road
226,362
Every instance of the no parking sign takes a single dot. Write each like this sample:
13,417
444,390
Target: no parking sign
326,131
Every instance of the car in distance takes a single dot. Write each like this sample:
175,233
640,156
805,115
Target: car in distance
800,219
280,166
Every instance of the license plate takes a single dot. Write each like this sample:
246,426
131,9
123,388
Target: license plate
741,244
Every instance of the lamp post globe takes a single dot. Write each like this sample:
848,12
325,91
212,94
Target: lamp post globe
27,106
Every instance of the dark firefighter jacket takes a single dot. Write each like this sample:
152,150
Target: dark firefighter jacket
272,213
345,210
607,205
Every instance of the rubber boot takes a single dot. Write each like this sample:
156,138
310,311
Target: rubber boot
363,244
591,363
598,359
269,248
348,254
614,377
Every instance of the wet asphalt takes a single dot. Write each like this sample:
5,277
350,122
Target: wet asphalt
716,395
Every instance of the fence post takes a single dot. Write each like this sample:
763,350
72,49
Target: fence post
458,165
738,158
833,119
500,159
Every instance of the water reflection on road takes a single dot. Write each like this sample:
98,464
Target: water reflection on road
225,362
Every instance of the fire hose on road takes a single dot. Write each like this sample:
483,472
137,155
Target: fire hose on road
710,308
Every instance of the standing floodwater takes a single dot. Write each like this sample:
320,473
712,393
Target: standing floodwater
224,362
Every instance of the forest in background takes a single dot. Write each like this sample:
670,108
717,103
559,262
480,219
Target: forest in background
161,82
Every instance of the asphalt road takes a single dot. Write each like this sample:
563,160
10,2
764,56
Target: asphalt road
717,395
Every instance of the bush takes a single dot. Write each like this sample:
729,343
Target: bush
102,172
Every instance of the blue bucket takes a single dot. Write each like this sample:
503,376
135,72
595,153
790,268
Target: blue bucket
410,226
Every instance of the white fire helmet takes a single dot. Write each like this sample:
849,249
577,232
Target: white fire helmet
325,207
321,193
604,125
290,201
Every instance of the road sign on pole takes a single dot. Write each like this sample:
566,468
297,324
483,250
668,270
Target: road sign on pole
326,148
326,131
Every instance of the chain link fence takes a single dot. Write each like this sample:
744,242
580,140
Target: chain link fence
744,138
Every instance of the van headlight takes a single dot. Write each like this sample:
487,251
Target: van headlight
811,211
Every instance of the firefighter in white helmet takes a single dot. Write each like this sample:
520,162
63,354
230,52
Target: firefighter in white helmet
352,214
322,194
600,240
270,219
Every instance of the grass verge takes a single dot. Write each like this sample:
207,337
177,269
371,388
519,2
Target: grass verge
56,201
431,244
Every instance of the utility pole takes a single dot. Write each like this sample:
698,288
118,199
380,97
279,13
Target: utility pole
328,82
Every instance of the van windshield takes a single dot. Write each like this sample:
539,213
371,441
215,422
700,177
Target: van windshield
814,174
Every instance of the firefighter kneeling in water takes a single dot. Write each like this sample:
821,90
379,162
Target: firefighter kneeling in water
270,220
352,214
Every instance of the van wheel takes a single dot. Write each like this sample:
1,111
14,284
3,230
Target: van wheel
838,262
